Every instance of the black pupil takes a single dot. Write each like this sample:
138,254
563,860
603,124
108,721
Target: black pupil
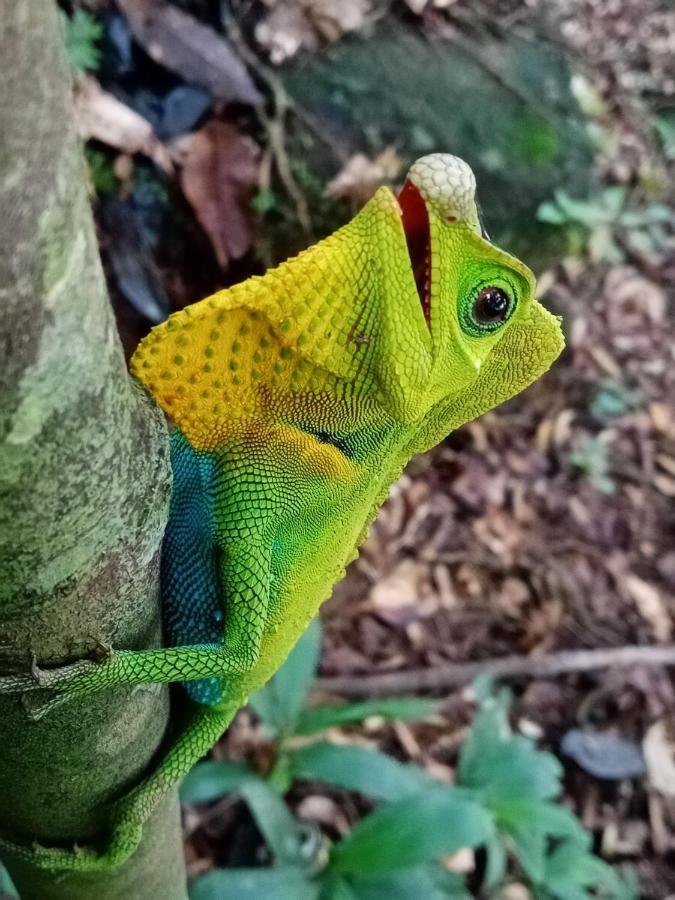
491,306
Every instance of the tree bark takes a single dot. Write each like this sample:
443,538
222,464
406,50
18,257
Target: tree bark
84,488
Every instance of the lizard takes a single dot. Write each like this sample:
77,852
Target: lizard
297,398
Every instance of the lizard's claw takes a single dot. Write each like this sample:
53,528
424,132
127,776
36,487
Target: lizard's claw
37,709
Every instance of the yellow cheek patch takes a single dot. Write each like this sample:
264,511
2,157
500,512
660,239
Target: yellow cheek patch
209,368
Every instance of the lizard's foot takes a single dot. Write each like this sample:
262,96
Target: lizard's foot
59,684
79,859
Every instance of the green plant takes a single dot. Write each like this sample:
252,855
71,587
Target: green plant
82,33
503,801
607,226
664,123
103,179
592,458
7,888
612,398
518,785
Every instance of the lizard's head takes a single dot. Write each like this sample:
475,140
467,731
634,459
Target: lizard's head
484,335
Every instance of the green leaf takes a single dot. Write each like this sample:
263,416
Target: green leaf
659,212
103,178
613,199
334,888
570,867
280,778
253,884
495,863
530,826
601,245
81,35
212,779
265,201
358,769
581,211
613,398
425,882
409,709
530,848
414,830
538,141
551,213
634,218
500,766
551,819
278,704
665,126
279,828
7,888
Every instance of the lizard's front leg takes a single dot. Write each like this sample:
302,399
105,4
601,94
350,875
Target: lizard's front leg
244,583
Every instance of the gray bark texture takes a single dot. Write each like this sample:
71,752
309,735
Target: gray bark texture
84,488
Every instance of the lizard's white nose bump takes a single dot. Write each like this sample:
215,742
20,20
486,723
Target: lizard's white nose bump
447,183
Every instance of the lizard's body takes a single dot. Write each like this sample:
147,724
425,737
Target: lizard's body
297,398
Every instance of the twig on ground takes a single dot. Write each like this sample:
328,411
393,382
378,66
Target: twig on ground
454,675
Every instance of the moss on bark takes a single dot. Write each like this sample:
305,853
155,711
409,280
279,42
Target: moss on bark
84,487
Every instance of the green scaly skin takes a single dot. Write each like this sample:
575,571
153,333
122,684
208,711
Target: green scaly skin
298,397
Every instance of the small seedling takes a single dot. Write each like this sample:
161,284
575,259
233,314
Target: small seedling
82,34
591,457
612,398
503,802
607,225
103,180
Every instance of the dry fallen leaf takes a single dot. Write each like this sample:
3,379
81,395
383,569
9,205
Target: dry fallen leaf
633,298
463,861
514,891
664,485
663,418
650,606
197,53
500,534
361,176
325,811
405,587
605,362
102,116
512,596
219,174
658,747
417,6
666,462
399,588
295,25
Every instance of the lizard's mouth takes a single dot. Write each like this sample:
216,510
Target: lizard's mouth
415,219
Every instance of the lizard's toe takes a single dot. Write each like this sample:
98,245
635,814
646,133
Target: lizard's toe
37,708
18,684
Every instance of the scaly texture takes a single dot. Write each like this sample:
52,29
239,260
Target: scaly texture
297,399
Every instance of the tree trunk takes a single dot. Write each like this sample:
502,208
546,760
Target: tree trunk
84,488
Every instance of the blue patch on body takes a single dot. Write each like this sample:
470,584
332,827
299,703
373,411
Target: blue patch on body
193,611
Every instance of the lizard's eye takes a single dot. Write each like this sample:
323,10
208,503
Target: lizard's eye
486,310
